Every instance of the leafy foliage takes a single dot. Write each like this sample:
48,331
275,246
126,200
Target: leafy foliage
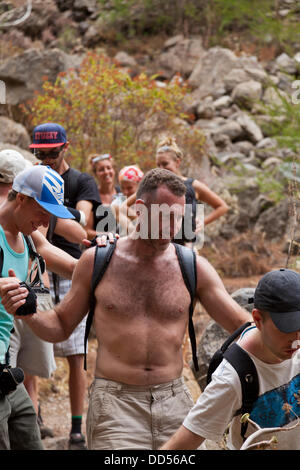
104,110
284,115
213,19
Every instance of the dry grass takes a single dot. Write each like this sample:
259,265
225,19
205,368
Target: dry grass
245,255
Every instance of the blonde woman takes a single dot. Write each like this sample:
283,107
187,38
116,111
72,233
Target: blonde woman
103,169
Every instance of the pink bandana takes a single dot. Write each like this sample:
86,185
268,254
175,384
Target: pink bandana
131,173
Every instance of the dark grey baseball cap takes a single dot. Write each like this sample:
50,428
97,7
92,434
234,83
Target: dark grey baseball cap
278,293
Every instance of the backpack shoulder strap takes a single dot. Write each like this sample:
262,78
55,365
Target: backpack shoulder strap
187,263
101,261
219,354
1,260
34,255
245,367
71,186
51,228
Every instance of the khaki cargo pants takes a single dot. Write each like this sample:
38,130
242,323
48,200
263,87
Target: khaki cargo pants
124,416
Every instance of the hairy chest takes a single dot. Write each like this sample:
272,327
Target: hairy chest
140,290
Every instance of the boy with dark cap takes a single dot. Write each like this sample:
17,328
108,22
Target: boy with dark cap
273,345
81,196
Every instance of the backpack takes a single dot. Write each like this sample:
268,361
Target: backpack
71,187
187,263
244,366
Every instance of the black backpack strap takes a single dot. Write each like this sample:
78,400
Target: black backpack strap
71,187
187,263
51,228
219,354
245,367
101,261
1,260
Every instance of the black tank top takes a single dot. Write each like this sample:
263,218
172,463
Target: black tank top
190,212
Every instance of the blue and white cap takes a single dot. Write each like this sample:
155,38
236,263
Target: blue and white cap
46,187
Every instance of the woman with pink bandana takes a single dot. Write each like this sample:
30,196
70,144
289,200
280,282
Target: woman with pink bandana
129,178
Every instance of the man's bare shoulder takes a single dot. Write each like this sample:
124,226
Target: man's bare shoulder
84,267
206,273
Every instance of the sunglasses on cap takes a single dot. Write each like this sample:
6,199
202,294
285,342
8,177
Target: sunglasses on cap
40,155
99,158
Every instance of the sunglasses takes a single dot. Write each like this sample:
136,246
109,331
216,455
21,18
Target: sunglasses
40,155
99,158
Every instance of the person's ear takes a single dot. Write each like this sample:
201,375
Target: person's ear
21,198
257,317
139,203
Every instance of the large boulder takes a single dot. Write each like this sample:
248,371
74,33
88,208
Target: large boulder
245,94
251,129
24,73
13,133
207,77
214,336
180,55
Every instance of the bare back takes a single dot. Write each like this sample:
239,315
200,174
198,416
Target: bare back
140,317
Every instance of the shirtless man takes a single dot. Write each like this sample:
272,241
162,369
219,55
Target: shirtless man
138,397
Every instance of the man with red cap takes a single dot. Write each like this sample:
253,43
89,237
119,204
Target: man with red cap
81,195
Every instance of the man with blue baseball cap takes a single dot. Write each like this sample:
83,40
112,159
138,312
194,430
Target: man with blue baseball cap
36,193
46,187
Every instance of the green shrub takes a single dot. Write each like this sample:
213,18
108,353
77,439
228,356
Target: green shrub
104,110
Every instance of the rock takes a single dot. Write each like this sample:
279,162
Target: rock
214,336
286,64
241,296
208,75
206,109
244,146
56,443
125,60
226,157
234,78
251,129
258,205
13,133
267,143
231,128
222,141
24,73
247,93
171,42
274,222
211,340
275,97
180,57
222,102
257,74
210,125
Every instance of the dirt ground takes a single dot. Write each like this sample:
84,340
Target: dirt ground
53,393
